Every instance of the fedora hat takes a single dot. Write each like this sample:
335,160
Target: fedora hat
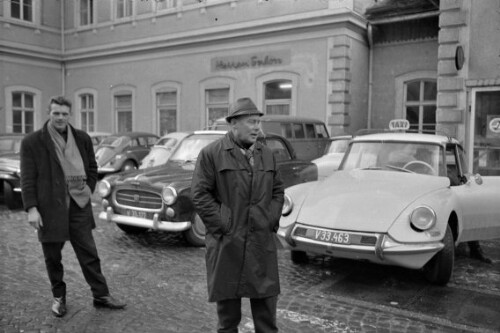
242,107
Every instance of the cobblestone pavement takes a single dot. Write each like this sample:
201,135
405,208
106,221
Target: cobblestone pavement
162,279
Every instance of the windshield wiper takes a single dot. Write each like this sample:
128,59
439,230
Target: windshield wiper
398,168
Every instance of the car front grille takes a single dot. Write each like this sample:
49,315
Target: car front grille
139,199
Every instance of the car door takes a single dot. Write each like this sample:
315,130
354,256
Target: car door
477,197
142,149
292,170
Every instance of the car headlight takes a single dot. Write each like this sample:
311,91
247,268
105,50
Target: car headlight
287,205
103,188
423,218
169,195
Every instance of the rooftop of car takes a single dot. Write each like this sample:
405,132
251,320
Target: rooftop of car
133,134
405,137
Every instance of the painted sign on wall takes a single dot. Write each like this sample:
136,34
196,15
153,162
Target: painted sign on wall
252,60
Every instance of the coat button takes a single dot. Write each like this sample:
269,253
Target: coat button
249,173
251,229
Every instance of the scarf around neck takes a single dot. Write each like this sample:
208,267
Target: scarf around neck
72,165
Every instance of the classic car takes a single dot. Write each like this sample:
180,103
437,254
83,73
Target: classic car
10,179
123,151
162,150
97,138
398,198
10,145
159,198
334,152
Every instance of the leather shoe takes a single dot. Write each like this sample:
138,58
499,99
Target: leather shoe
59,306
108,302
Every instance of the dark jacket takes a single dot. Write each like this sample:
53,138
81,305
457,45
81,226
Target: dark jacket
43,183
241,207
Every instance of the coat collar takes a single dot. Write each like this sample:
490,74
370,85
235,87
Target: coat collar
228,143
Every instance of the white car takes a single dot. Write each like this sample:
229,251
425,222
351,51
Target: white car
334,153
401,199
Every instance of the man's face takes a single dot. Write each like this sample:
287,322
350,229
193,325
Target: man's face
59,116
247,128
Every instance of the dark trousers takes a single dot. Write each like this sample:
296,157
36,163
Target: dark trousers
80,235
263,313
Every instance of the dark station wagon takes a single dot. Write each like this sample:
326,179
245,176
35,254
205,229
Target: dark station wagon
159,198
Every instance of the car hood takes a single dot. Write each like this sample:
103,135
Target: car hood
172,173
10,162
364,200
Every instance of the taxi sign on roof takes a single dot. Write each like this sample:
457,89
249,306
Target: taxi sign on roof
399,125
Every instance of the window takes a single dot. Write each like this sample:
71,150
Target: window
86,12
23,112
217,104
278,97
87,114
310,133
124,8
321,130
22,10
298,131
420,104
166,109
164,4
123,111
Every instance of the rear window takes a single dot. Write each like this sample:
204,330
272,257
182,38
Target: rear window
310,134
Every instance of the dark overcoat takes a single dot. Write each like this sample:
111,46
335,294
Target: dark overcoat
240,206
43,183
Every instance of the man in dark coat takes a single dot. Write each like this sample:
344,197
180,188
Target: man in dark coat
58,175
238,193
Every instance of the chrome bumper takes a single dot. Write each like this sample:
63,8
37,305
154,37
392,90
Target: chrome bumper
386,251
155,223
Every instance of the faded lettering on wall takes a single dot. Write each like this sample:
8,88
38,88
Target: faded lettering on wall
253,60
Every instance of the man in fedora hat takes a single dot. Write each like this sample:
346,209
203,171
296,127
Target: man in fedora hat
238,193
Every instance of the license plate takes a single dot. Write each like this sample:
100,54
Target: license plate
136,213
330,236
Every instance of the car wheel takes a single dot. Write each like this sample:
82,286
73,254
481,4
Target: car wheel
196,234
12,199
129,165
131,230
439,269
299,257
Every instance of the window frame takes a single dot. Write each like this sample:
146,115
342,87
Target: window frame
167,86
123,18
92,14
264,79
37,105
35,13
219,82
122,90
78,107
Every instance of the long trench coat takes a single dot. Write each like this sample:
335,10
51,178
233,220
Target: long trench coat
43,184
240,206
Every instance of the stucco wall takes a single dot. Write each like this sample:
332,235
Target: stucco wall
359,86
190,69
484,58
391,61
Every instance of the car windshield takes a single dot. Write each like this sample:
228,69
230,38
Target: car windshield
338,146
8,145
157,156
166,142
191,146
422,158
115,141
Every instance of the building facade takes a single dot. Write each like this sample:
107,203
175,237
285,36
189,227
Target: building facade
173,65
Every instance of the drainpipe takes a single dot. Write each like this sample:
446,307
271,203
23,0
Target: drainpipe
63,65
369,30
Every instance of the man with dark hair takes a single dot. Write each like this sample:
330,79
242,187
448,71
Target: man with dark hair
58,175
238,193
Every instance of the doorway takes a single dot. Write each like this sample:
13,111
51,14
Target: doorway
485,131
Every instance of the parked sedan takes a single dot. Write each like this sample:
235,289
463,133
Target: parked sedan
334,153
10,179
159,198
401,199
123,151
